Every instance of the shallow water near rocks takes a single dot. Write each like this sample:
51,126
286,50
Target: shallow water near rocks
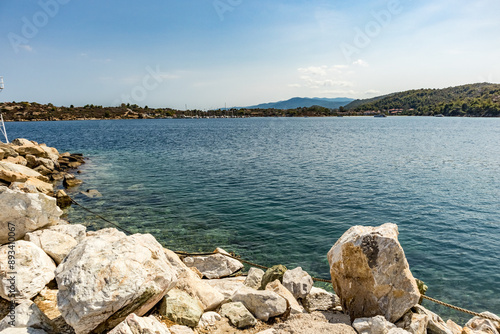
283,190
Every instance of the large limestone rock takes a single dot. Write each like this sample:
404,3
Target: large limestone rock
56,244
320,300
298,282
76,231
41,186
262,304
214,266
435,325
181,308
26,212
227,286
108,276
414,323
27,314
376,325
238,315
484,325
254,278
33,270
293,304
370,273
137,325
20,169
191,283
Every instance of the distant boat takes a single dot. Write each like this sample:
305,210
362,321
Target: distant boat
380,115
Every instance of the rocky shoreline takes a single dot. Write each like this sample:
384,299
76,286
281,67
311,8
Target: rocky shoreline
57,277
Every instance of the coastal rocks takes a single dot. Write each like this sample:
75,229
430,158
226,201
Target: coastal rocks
27,212
370,273
484,325
254,278
262,304
312,324
76,231
34,269
91,193
376,325
272,274
108,276
27,314
238,315
435,325
137,325
56,244
41,186
71,181
179,329
34,162
298,282
414,323
21,170
320,300
214,266
209,319
63,200
181,308
23,330
277,287
227,286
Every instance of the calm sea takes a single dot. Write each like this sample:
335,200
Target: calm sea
283,190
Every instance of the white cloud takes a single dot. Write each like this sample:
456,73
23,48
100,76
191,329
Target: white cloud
318,78
372,92
26,47
360,62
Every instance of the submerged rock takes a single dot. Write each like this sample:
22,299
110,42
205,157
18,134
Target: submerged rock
370,273
214,266
108,276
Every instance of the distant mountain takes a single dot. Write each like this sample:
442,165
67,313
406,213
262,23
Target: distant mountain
299,102
480,99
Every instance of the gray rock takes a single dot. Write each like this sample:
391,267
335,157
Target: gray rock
76,231
181,308
435,324
370,273
376,325
137,325
254,278
262,304
298,282
226,286
27,314
414,323
33,270
209,319
238,315
293,304
214,266
484,325
320,300
56,244
21,213
108,276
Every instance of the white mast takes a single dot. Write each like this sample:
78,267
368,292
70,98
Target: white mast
2,128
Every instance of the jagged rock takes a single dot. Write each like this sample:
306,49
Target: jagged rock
140,325
484,325
226,286
238,315
298,282
27,314
414,323
272,274
435,325
20,169
376,325
262,304
42,170
41,186
22,142
9,176
23,330
7,151
209,319
33,270
91,193
254,278
23,187
181,308
454,327
370,273
76,231
277,287
320,300
108,276
314,323
191,283
63,200
27,212
50,152
33,162
214,266
178,329
71,181
18,160
56,244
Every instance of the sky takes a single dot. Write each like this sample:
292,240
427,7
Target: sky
205,54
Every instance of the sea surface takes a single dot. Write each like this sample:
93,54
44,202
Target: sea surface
283,190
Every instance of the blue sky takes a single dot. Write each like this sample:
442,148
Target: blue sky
205,53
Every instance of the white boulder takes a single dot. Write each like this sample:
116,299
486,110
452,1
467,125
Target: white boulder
140,325
320,300
226,286
263,304
254,278
181,308
209,319
376,325
298,282
56,244
277,287
27,314
214,266
238,315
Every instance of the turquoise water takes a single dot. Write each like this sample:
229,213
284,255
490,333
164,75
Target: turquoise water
283,190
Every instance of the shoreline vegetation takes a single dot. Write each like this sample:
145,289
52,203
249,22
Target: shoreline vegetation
474,100
57,277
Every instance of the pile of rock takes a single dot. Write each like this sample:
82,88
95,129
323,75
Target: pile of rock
56,277
32,167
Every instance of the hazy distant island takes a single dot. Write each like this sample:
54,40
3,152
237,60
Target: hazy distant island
472,100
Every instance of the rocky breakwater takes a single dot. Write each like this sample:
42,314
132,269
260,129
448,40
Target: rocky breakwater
57,277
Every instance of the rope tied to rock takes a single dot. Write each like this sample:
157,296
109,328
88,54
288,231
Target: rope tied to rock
185,254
